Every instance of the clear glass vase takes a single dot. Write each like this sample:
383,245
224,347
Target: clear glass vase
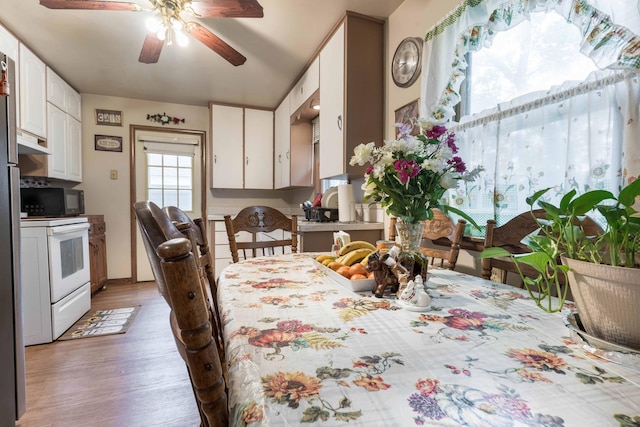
410,235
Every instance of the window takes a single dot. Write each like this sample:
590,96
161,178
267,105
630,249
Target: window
532,56
542,115
170,174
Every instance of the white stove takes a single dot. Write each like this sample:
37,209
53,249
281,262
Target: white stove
55,275
51,222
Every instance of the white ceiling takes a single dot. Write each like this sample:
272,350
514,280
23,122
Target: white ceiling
97,51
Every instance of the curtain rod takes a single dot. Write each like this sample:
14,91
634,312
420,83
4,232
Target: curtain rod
546,100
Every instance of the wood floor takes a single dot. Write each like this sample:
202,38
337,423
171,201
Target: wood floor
136,379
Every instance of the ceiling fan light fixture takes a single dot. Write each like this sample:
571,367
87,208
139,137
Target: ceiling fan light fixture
162,33
315,104
153,24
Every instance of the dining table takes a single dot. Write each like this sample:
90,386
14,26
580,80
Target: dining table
304,349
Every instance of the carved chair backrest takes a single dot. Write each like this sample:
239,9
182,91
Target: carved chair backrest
257,220
175,267
442,229
196,232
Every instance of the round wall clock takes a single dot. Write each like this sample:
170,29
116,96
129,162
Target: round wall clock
407,62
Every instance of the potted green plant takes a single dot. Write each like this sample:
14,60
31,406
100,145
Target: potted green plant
602,270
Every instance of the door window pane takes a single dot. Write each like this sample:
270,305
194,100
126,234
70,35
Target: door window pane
170,180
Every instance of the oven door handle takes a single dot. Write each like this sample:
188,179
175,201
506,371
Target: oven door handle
63,229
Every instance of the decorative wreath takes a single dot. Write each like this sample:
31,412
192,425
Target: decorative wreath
164,119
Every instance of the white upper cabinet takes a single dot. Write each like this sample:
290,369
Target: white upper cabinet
9,44
282,144
305,87
258,149
242,152
65,142
332,113
227,133
351,93
33,94
62,95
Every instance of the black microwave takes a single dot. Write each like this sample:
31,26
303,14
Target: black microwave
50,201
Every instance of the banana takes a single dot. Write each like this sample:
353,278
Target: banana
356,256
321,258
355,245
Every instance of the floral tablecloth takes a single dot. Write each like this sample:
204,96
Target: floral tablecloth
301,348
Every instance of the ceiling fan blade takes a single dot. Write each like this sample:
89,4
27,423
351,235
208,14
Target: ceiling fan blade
228,8
90,5
151,49
216,44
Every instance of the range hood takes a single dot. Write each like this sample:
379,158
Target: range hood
28,144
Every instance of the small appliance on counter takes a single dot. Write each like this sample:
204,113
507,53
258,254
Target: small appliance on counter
51,201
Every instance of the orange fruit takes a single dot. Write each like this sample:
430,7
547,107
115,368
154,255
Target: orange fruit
358,276
344,271
370,275
357,268
335,265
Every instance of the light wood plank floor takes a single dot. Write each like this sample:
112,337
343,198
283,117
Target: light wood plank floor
136,379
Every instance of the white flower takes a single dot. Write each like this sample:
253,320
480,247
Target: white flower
448,181
363,153
368,188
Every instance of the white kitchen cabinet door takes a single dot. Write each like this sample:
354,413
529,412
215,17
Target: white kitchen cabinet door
282,144
74,149
57,142
227,129
33,93
74,103
332,97
258,149
57,90
305,87
10,46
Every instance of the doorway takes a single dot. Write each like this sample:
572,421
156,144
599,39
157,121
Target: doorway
168,168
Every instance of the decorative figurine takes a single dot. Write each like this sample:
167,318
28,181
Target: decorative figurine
414,296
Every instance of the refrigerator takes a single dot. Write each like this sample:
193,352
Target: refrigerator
12,380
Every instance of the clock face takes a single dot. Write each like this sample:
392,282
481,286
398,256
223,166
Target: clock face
406,62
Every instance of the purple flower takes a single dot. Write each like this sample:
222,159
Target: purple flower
436,131
459,165
407,169
426,405
369,169
451,142
404,130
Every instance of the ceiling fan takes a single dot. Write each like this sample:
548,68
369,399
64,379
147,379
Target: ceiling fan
168,22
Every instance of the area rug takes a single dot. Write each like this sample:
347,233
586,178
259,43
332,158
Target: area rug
102,322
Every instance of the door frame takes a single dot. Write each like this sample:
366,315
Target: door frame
132,183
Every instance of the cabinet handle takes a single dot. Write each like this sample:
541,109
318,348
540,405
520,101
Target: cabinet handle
247,160
287,154
279,158
215,158
340,122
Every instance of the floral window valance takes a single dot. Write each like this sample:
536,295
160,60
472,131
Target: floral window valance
474,23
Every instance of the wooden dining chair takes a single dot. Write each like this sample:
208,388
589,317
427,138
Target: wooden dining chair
179,281
441,231
257,221
509,236
195,231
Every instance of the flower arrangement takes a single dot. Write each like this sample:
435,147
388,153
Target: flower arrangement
409,176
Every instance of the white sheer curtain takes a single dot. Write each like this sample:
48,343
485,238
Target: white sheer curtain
567,138
580,137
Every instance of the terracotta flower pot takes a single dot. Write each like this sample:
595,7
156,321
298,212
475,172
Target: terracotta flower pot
607,299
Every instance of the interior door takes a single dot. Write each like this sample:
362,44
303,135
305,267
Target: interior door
143,268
